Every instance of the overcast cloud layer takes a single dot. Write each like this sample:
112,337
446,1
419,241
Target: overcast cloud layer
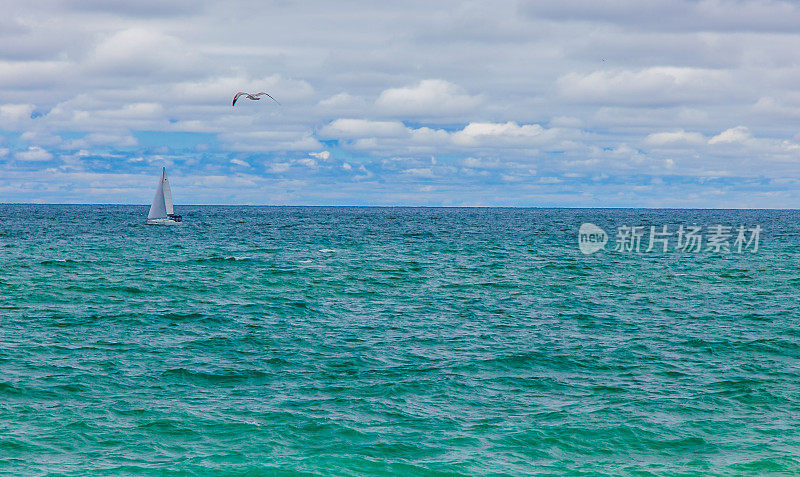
648,103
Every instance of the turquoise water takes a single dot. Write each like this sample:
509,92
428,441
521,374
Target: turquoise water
379,341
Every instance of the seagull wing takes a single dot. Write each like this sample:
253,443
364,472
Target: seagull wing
236,97
270,97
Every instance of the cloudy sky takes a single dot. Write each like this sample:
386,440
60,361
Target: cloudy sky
644,103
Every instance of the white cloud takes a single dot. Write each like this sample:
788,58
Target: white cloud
673,138
482,163
40,138
423,172
28,75
676,15
111,138
240,162
286,140
510,133
361,128
280,167
431,97
649,86
15,116
772,108
142,51
550,180
394,135
343,101
145,8
739,134
15,112
567,122
142,110
324,155
33,154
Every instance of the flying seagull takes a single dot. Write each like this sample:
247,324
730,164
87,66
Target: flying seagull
254,97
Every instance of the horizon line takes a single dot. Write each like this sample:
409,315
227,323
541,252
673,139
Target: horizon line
411,206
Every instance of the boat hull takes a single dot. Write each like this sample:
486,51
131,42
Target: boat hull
166,221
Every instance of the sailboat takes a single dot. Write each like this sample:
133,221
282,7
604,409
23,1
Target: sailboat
161,212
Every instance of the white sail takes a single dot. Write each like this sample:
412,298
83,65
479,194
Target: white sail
158,209
167,193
